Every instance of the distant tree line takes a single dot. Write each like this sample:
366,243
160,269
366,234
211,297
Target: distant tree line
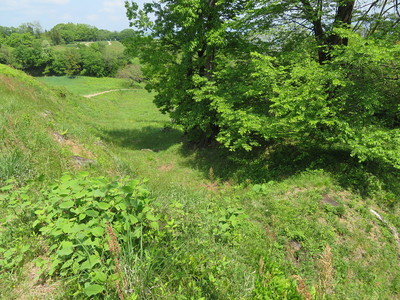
69,33
65,33
84,49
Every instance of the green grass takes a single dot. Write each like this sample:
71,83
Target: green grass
82,85
243,226
296,210
115,47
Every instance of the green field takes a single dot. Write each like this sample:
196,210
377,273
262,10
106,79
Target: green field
231,227
83,85
115,46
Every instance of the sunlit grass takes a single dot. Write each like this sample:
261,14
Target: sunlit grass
82,85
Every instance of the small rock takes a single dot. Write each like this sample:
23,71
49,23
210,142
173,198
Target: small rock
100,143
60,138
329,200
46,113
82,161
295,245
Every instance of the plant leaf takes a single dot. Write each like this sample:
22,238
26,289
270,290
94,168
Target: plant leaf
93,289
67,204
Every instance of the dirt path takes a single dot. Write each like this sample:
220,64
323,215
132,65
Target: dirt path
100,93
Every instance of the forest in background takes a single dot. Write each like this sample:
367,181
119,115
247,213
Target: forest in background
67,49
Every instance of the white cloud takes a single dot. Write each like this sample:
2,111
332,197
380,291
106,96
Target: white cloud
92,17
36,13
52,1
111,6
12,5
66,17
115,18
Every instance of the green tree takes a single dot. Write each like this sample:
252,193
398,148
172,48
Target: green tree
19,39
28,53
58,65
72,62
180,45
131,72
56,36
86,32
321,18
6,31
92,61
33,28
6,55
106,35
126,34
219,74
63,33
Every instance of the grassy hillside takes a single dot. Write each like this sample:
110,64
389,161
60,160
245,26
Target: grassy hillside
207,224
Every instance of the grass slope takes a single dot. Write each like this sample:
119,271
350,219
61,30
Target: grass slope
244,229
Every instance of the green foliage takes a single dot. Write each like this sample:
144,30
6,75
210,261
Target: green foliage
31,50
310,103
228,224
255,92
85,220
92,61
271,283
65,33
105,234
15,227
185,39
131,72
6,55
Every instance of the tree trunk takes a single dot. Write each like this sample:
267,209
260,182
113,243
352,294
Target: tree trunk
207,53
326,42
343,17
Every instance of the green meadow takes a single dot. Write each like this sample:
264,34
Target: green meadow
85,85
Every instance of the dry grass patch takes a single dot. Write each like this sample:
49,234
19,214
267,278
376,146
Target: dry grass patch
34,286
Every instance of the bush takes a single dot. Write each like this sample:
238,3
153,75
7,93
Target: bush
131,72
85,220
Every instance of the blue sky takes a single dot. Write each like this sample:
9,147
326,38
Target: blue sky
104,14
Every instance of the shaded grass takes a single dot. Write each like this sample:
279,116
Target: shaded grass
279,162
146,138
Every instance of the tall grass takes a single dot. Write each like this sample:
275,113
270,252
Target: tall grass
14,164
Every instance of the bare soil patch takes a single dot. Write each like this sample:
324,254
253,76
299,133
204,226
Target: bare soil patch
109,91
166,168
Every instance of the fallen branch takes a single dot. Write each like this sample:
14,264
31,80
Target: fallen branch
391,227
